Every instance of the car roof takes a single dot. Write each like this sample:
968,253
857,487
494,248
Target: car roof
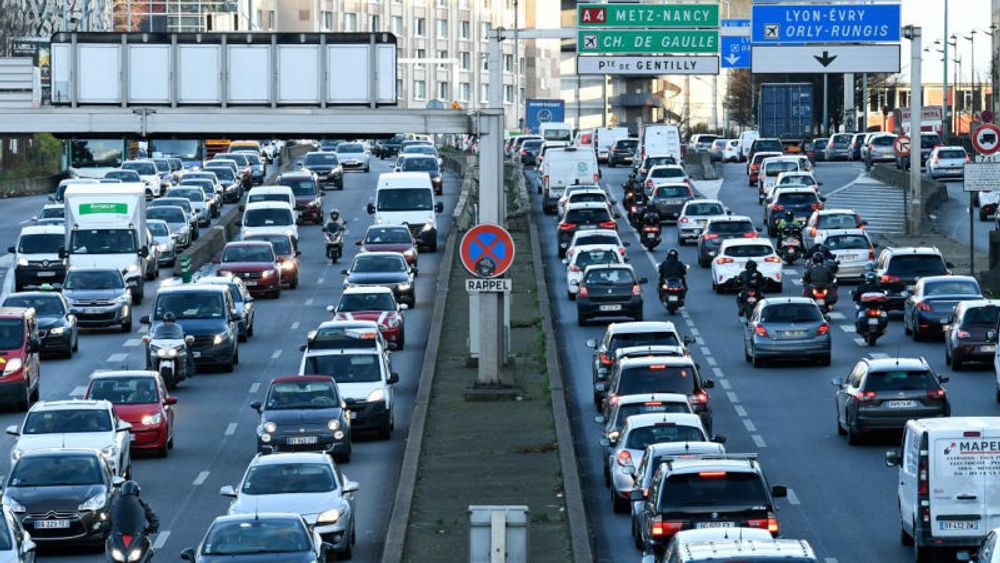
835,211
650,419
248,243
934,279
652,397
593,247
379,253
975,303
42,230
665,166
297,378
897,250
771,301
76,404
92,269
604,232
756,548
112,374
746,242
258,515
637,327
729,462
573,205
193,287
682,449
717,534
616,266
267,205
884,364
292,174
701,200
366,290
792,189
645,361
721,219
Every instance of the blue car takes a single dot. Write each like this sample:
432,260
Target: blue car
207,313
786,328
932,303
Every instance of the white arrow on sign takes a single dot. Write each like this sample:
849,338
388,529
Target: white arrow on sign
732,59
833,59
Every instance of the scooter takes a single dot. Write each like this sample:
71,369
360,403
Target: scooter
873,323
129,548
790,248
169,356
672,293
334,244
821,295
651,236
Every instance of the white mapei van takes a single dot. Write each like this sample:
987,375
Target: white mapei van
660,139
407,198
564,167
948,491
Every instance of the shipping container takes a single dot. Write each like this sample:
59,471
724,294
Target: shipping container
785,111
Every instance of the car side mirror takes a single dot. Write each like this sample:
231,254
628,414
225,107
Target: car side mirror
187,554
949,265
303,347
12,430
11,249
708,384
216,261
351,487
357,243
298,253
144,252
779,491
438,207
170,400
343,271
62,253
144,319
256,406
227,491
892,458
719,438
599,419
944,379
371,208
393,378
236,318
403,306
330,308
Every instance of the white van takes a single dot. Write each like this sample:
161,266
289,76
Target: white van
407,198
948,492
269,218
660,139
556,131
564,167
605,137
745,140
282,194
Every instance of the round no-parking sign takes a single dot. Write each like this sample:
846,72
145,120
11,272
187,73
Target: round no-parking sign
487,251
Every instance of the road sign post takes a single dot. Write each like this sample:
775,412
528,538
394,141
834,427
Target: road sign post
980,176
913,33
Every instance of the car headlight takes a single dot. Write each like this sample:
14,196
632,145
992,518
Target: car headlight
152,419
95,502
315,203
220,338
288,265
267,274
270,427
289,232
13,366
334,424
329,517
22,261
166,353
266,438
376,396
57,331
405,286
132,268
409,253
13,504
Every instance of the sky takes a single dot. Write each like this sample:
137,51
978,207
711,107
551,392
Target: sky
963,17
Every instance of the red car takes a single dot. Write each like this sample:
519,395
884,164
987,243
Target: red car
139,398
377,304
390,238
254,262
308,195
288,257
19,356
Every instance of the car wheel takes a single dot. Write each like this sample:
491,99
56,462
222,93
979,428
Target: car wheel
703,263
137,297
127,325
229,366
904,537
757,361
924,554
348,551
162,451
385,432
955,362
825,360
294,284
401,342
840,427
250,328
915,330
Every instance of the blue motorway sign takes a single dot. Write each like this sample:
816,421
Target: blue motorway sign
825,23
538,111
735,49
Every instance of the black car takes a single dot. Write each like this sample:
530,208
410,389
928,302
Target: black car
659,374
718,230
967,334
304,413
529,151
928,140
931,304
389,147
422,163
326,166
56,325
232,188
580,217
308,194
62,496
622,152
388,269
207,313
900,268
800,201
609,291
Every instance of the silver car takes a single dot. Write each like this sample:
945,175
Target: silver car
303,483
787,328
163,240
947,162
853,248
199,203
353,156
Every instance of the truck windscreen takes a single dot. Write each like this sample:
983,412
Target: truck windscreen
103,241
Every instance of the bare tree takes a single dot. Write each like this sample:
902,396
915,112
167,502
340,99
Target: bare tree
739,97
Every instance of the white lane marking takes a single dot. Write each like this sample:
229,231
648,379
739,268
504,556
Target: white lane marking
847,328
860,341
694,331
740,411
725,384
201,478
276,354
254,388
790,271
861,176
685,314
78,391
115,358
758,441
295,325
836,315
711,361
132,342
792,497
161,539
879,355
705,351
749,424
308,302
231,429
732,397
718,373
830,560
320,281
797,281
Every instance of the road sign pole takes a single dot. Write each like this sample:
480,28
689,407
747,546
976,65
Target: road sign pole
913,33
826,104
849,103
972,235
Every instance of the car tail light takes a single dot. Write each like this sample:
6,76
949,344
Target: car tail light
635,209
972,434
819,293
749,234
574,268
770,524
923,487
817,206
583,291
596,177
925,307
773,259
759,330
865,396
621,250
964,334
889,278
684,220
606,359
636,290
567,226
711,474
777,207
710,236
653,403
608,225
724,260
823,329
663,528
524,152
937,394
624,458
545,179
700,398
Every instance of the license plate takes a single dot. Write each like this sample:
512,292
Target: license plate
249,283
302,440
793,333
672,298
872,322
990,348
587,227
610,308
92,310
715,525
46,274
958,525
900,404
354,415
944,320
821,302
195,354
49,524
651,236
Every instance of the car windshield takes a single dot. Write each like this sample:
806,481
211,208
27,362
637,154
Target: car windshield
322,159
94,279
847,242
162,165
252,158
41,243
749,250
305,394
225,174
190,305
346,368
419,165
388,235
374,264
796,198
588,216
158,229
11,333
791,313
257,536
647,407
630,339
667,172
900,380
124,390
405,199
713,488
191,194
124,175
56,471
952,153
248,253
775,168
985,316
730,227
591,257
761,145
837,221
44,305
656,379
703,209
257,197
951,287
169,214
672,191
639,438
289,478
883,141
268,217
917,266
282,243
351,302
67,421
609,276
143,168
240,158
419,149
100,241
300,186
350,147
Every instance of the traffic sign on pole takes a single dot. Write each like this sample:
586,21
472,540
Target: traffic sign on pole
986,139
901,146
646,65
487,251
981,176
648,15
825,23
735,38
828,59
986,116
648,41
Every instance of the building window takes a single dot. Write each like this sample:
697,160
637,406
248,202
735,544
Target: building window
484,93
397,25
271,15
508,94
375,22
327,21
508,63
521,67
442,3
258,20
484,63
419,90
464,30
465,60
350,22
421,27
442,29
484,30
464,89
419,54
443,92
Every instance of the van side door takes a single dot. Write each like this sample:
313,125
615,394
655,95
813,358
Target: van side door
907,492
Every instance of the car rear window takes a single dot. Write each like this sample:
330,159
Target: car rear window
838,221
791,313
749,250
658,160
883,141
712,488
796,198
591,257
952,153
703,209
610,276
629,145
627,340
796,179
531,145
648,407
669,172
730,227
841,139
587,198
900,380
981,316
775,168
767,145
847,242
917,265
656,379
639,438
596,239
672,191
590,216
951,287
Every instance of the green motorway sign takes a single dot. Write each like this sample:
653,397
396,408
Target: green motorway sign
643,42
648,15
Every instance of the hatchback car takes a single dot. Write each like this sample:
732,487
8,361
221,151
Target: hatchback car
967,334
326,166
176,220
753,165
879,149
386,269
164,241
56,325
303,413
827,219
139,398
719,229
308,195
801,201
583,193
629,405
622,152
882,394
598,236
667,199
664,174
353,156
582,217
629,335
853,248
261,536
932,303
288,253
99,297
199,203
838,147
584,256
733,257
786,328
899,268
609,291
390,238
255,263
190,215
528,151
659,374
816,150
242,299
376,304
693,216
947,162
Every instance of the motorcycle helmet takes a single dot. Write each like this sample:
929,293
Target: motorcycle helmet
130,488
672,254
334,214
818,257
871,277
751,266
169,317
822,249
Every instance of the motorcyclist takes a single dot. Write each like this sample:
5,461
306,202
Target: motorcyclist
870,284
173,331
650,218
750,278
788,222
673,268
818,274
335,224
334,230
828,255
130,515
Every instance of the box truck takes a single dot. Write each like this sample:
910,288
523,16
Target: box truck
785,112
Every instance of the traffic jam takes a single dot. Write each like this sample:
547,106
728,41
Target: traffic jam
681,296
94,264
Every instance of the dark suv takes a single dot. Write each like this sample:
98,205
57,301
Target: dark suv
659,374
581,216
308,195
207,313
900,268
718,230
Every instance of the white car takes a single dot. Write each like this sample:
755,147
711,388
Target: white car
798,178
353,156
769,170
826,219
947,162
664,174
79,424
163,240
150,176
597,236
853,248
731,152
585,193
733,257
269,218
584,256
694,215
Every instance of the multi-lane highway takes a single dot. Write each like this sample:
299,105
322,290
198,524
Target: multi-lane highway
215,434
842,498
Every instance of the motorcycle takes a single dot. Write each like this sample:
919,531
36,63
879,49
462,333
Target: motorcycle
822,296
748,300
651,235
168,354
334,244
131,548
873,322
790,248
672,293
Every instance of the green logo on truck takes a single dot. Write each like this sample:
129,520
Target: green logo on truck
115,208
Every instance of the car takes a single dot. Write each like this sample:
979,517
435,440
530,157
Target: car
20,348
326,166
84,424
184,203
62,495
139,398
667,199
734,253
52,211
744,142
423,163
99,297
701,142
853,248
583,193
764,144
651,403
36,256
932,302
641,167
303,413
675,500
753,165
664,174
164,241
242,300
55,324
717,148
122,175
390,238
879,148
728,545
658,374
947,162
545,148
800,177
622,152
629,335
257,167
389,147
639,431
770,169
899,268
857,141
830,219
329,145
244,166
787,328
838,147
584,256
148,173
816,150
308,194
212,190
256,263
177,220
800,200
598,236
694,214
731,152
355,354
269,217
377,304
232,187
288,254
199,202
528,151
609,291
882,394
968,331
261,536
386,269
719,229
206,312
929,140
581,217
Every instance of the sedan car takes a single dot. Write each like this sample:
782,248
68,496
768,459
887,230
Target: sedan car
213,196
388,269
244,302
947,162
57,328
882,394
967,334
353,156
390,238
651,403
693,216
733,257
199,203
582,217
716,230
879,148
932,302
326,166
140,398
584,256
376,304
664,174
176,220
667,199
423,163
838,147
304,413
288,256
598,236
258,537
609,291
164,241
184,203
786,328
853,249
256,263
